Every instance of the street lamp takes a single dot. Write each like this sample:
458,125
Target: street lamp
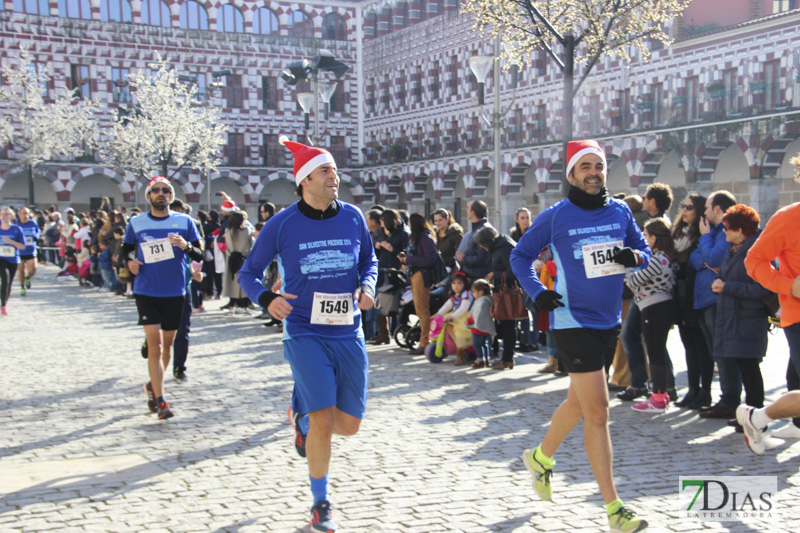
480,66
309,101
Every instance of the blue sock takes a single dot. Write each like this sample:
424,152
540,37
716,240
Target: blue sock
160,400
303,424
319,488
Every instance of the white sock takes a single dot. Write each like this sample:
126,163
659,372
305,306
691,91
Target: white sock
759,418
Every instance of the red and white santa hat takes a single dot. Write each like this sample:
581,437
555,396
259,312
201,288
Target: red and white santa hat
229,205
578,149
156,180
306,158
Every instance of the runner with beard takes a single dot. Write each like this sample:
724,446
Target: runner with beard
593,238
156,244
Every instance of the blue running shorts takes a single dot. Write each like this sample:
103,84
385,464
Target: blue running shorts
327,373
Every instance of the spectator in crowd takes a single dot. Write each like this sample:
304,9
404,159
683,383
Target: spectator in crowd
422,254
779,240
388,250
455,311
652,291
481,322
448,235
370,316
657,200
699,363
499,248
104,266
706,260
239,240
522,221
213,280
52,234
474,261
266,211
742,324
69,230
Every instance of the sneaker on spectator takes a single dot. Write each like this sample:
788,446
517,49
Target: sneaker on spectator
200,309
322,517
299,438
245,311
656,403
789,431
164,411
625,521
180,374
753,436
151,397
541,475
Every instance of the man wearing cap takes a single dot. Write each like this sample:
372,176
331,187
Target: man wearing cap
593,238
328,270
156,244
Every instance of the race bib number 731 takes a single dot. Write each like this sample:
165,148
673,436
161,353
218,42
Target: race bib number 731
597,259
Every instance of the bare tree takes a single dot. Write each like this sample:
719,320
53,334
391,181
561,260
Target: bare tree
40,126
575,33
167,128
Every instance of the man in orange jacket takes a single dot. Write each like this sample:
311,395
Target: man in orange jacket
779,241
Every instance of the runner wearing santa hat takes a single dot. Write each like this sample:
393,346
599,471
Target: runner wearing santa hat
156,244
328,269
593,238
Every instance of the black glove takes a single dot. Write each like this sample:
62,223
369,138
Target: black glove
627,257
548,300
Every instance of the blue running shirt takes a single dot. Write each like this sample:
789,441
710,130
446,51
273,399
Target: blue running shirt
331,256
160,278
7,252
581,241
32,233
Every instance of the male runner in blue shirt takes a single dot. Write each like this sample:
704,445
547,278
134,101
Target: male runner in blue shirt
27,257
155,244
328,271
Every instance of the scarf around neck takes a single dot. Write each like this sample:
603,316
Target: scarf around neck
585,200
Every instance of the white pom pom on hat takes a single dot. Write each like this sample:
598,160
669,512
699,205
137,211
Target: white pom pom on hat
306,158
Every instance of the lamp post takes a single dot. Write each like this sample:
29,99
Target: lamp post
480,66
320,88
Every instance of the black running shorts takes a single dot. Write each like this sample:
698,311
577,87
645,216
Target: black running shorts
585,350
27,257
164,311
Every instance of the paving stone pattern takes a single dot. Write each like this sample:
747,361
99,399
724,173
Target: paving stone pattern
439,450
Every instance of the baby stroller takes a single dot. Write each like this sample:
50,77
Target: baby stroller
407,332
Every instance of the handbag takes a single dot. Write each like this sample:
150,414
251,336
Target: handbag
387,302
508,302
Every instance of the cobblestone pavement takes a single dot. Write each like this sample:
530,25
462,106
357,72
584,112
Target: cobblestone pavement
439,450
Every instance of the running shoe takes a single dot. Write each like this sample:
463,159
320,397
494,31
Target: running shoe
299,438
322,517
789,431
164,411
144,349
3,311
753,436
625,521
180,374
656,403
22,291
541,475
28,282
151,397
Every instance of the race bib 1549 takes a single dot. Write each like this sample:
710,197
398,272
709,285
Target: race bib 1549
597,259
332,309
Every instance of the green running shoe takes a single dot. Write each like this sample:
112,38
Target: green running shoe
625,521
541,475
